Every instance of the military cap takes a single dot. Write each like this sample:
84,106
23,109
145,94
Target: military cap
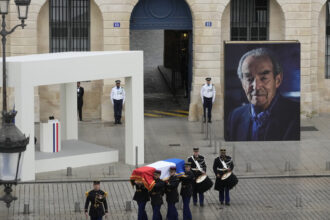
187,164
208,79
196,149
158,172
96,182
173,168
118,81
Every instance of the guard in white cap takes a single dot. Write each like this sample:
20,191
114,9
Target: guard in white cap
118,100
208,98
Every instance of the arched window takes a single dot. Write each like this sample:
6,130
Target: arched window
249,19
69,22
327,49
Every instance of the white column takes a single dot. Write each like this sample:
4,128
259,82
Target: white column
134,119
24,104
68,106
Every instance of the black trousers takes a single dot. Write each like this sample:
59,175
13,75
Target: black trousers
117,107
207,105
80,105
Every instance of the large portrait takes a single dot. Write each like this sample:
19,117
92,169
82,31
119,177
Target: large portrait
262,91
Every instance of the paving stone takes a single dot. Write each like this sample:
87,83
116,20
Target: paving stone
266,198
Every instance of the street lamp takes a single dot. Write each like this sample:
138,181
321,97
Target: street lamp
12,141
12,146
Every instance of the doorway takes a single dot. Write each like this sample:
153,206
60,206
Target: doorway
163,30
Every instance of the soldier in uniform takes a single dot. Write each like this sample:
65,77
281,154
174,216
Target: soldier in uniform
187,180
198,167
97,199
118,100
221,165
141,196
172,195
156,195
208,98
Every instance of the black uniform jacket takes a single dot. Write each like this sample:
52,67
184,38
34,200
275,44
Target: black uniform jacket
80,95
218,165
98,201
200,159
141,194
187,180
157,192
171,190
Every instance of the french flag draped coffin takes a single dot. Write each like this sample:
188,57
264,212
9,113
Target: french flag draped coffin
145,174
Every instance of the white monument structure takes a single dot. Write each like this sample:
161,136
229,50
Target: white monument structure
26,72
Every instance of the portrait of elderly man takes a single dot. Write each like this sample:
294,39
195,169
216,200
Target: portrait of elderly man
269,116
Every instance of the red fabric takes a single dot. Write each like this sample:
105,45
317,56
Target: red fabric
144,174
56,137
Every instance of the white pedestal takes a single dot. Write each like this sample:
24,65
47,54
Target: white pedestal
50,136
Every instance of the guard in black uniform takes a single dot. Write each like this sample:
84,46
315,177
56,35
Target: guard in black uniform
80,101
172,195
187,181
98,200
221,165
198,167
141,196
156,195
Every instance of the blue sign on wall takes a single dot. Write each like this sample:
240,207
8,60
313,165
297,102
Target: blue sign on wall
208,23
116,24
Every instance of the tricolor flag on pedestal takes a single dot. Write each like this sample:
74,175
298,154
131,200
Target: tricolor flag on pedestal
146,173
56,139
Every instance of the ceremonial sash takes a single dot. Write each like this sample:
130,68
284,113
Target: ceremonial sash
197,164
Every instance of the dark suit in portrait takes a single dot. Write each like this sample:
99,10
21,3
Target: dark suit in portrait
282,123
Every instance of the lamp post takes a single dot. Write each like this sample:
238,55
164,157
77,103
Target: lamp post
12,141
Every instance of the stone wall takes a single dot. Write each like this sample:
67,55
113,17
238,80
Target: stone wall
302,20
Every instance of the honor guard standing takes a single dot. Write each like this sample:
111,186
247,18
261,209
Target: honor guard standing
198,167
186,190
208,97
156,195
141,196
118,100
97,199
80,101
172,195
224,165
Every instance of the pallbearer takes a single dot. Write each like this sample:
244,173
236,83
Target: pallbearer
198,166
156,195
172,195
225,179
186,190
97,199
141,196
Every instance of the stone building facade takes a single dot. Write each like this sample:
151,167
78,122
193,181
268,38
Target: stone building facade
302,20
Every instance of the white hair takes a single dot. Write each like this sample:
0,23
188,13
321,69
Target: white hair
256,53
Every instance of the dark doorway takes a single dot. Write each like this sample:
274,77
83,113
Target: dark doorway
163,30
177,58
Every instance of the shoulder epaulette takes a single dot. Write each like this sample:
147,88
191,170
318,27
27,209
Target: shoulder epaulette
86,193
106,194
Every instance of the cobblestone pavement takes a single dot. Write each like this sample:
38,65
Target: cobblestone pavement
256,198
175,137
